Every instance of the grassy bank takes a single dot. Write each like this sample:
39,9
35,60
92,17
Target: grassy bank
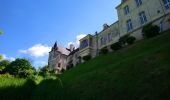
16,89
137,72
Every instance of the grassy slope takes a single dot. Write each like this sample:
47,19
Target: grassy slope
138,72
15,89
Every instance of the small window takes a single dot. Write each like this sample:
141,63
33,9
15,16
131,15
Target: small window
109,37
138,2
166,4
84,44
129,25
59,65
126,10
101,41
161,27
143,18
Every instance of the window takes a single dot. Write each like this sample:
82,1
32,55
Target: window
143,18
138,2
161,27
101,41
84,44
109,37
59,65
129,25
126,10
166,4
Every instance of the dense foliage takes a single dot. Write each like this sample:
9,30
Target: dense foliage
87,58
130,40
3,65
150,30
21,68
116,46
104,50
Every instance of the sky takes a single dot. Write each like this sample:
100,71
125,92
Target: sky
31,27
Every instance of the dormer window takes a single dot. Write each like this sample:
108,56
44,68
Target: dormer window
126,10
138,2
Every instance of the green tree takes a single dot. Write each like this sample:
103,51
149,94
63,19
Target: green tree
21,68
44,70
1,57
3,65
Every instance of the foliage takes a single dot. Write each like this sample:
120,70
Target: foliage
1,57
87,58
3,65
150,30
44,70
123,39
130,40
116,46
6,75
63,70
21,68
104,50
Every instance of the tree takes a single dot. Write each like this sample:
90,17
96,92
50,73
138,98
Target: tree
3,66
21,68
44,70
150,30
1,57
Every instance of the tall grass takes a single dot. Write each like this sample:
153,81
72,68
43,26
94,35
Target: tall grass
16,89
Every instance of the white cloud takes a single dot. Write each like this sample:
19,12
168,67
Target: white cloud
7,58
38,50
76,42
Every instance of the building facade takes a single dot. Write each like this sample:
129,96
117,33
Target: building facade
132,16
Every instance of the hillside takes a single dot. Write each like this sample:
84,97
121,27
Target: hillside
137,72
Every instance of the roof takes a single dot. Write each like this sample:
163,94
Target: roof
63,50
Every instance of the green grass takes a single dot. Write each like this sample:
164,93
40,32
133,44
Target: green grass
15,89
137,72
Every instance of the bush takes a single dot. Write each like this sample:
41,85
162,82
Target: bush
6,75
87,58
130,40
123,39
116,46
150,30
104,50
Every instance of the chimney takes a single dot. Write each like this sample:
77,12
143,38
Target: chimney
72,47
105,26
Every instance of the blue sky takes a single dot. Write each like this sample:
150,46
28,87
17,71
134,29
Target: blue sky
32,26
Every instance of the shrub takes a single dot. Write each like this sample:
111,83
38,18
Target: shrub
104,50
116,46
6,75
87,58
130,40
123,39
150,30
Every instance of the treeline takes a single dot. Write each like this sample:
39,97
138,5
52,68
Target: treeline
22,68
